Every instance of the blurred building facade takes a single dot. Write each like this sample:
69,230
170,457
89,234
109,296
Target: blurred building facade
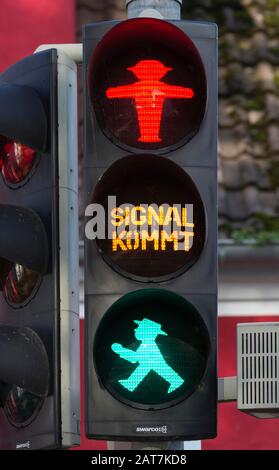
248,180
248,107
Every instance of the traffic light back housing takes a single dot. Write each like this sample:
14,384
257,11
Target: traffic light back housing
39,218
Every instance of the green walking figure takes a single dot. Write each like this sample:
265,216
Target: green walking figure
148,356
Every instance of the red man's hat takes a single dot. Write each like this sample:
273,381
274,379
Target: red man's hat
149,68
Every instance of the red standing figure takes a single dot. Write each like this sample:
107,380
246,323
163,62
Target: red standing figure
149,94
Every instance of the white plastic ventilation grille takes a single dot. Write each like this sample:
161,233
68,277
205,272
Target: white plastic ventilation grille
258,365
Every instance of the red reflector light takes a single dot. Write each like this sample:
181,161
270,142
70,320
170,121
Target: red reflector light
20,285
16,160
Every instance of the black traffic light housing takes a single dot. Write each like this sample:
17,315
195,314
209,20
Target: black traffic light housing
108,47
33,368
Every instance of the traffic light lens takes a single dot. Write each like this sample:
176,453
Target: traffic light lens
151,349
16,160
147,85
20,285
149,95
156,221
21,406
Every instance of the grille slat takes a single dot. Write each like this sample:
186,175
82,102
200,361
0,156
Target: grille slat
258,366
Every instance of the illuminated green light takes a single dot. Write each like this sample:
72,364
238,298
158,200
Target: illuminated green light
151,349
148,356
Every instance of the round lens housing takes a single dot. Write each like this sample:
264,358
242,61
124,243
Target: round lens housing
155,218
147,85
151,349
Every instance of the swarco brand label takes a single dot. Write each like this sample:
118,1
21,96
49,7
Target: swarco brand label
23,445
147,429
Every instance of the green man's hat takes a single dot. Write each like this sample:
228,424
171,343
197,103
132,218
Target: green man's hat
150,325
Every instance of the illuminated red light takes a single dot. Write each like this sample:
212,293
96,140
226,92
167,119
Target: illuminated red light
149,93
16,160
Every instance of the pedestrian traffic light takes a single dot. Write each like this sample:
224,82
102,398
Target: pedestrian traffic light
39,323
150,113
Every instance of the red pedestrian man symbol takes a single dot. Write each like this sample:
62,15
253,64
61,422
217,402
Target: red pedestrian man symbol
149,93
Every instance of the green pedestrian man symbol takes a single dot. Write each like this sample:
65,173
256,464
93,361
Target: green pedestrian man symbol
148,356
